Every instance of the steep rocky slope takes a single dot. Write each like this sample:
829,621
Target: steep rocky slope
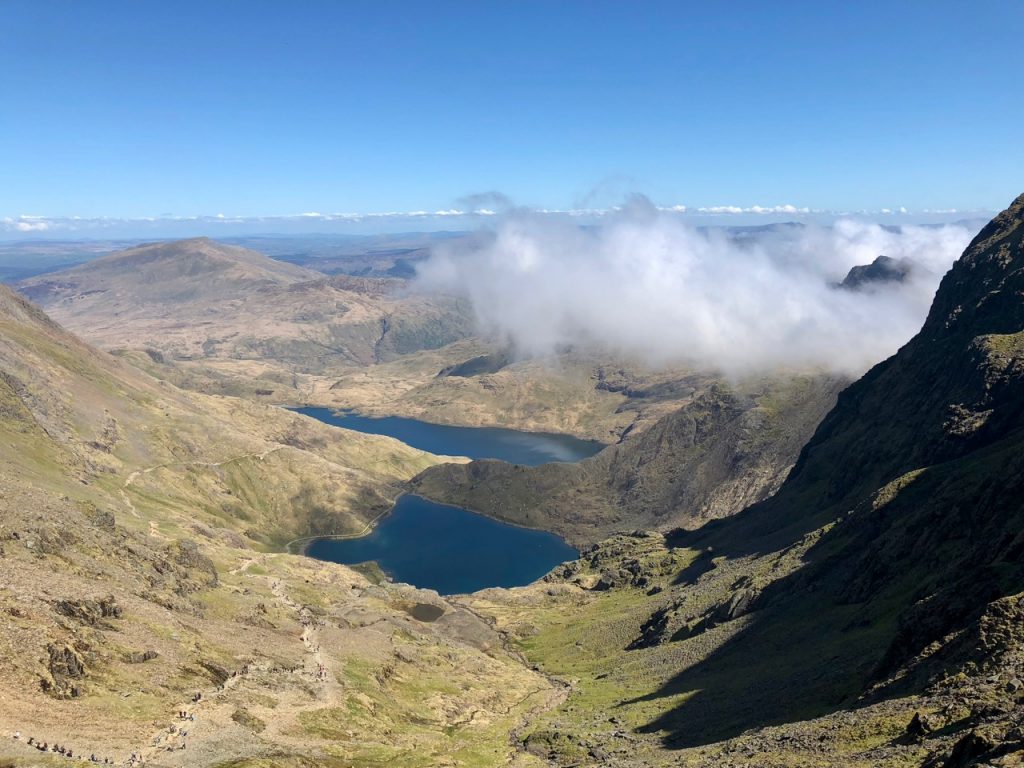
725,448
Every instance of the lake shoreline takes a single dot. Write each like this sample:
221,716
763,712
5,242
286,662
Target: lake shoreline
368,530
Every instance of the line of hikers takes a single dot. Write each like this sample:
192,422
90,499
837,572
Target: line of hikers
60,749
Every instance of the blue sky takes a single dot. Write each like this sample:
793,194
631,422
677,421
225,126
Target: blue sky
147,109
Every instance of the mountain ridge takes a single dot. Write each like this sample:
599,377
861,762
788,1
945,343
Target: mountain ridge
870,612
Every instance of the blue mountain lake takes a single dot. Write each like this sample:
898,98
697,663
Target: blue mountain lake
509,445
449,549
446,548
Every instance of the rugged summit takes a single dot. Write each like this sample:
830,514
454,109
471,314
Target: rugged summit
882,270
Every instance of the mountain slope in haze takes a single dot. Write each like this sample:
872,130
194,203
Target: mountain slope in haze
203,301
132,515
869,613
724,449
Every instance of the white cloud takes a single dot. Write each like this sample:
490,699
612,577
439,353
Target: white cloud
32,226
720,209
791,210
646,282
25,224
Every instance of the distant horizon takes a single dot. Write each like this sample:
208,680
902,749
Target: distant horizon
43,228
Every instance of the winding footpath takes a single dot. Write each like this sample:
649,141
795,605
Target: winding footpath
139,472
174,736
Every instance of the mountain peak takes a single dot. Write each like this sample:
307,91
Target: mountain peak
882,270
981,294
178,270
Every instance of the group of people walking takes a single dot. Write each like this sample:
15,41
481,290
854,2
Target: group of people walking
62,750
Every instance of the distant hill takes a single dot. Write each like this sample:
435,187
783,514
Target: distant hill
183,270
202,300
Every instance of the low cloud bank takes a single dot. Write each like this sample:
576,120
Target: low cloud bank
646,283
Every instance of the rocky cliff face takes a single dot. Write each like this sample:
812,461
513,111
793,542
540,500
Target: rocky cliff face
724,450
912,489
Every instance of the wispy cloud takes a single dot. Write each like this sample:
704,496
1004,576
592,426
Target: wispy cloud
25,224
760,210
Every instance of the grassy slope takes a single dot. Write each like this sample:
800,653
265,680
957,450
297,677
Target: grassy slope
160,450
119,600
